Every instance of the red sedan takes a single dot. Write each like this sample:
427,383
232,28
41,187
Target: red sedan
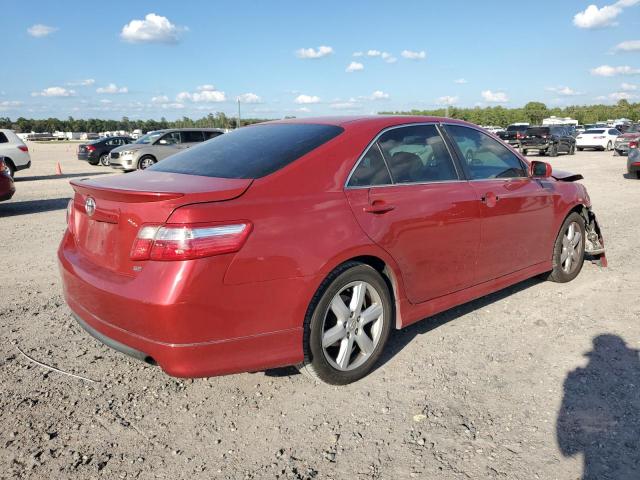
7,187
305,242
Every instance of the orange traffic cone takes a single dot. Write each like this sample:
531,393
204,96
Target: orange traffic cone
58,169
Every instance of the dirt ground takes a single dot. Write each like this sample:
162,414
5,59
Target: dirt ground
486,390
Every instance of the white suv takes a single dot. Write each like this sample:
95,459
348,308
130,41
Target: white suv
14,150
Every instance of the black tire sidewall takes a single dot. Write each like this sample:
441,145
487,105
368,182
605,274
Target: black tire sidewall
105,162
314,352
146,157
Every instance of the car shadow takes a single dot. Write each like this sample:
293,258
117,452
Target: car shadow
399,339
57,177
628,176
12,209
600,412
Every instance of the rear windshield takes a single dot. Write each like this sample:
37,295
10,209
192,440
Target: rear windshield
538,131
516,128
594,131
250,152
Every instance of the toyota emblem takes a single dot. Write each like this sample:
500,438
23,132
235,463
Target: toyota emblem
90,206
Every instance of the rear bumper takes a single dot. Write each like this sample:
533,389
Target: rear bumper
535,146
24,166
184,318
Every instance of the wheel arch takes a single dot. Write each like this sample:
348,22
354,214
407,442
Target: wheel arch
9,161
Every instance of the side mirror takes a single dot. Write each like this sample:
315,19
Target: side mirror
540,169
163,142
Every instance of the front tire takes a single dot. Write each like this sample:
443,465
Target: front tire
609,146
568,250
145,162
347,325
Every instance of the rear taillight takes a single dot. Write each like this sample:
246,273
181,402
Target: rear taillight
4,170
70,215
24,148
186,242
633,144
519,135
90,148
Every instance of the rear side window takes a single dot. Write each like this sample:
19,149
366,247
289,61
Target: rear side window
192,137
250,152
417,154
485,157
210,135
371,170
3,138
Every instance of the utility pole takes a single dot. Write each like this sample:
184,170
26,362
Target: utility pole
447,111
238,112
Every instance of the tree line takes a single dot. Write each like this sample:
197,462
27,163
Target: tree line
532,112
95,125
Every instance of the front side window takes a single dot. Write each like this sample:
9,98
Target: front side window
171,138
417,154
485,157
371,170
3,138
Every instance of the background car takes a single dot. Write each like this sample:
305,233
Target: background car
597,138
548,140
97,152
305,242
514,134
628,140
158,145
15,152
633,163
7,187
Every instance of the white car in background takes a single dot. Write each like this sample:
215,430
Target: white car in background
14,150
597,138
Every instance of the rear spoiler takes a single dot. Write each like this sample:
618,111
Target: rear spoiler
566,176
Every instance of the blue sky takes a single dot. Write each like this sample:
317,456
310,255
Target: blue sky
164,58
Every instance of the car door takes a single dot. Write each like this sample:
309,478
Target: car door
191,138
167,145
517,211
407,196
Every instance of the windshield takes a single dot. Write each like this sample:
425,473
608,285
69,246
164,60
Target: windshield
594,131
250,152
149,137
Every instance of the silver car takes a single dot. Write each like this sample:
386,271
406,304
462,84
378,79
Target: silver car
158,145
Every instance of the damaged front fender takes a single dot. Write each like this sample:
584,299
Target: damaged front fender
594,241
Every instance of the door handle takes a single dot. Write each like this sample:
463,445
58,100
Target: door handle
378,207
489,199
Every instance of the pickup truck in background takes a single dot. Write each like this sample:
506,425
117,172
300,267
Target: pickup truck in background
514,134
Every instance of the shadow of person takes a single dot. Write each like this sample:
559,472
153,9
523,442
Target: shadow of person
600,412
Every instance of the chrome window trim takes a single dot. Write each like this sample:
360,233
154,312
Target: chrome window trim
393,184
473,127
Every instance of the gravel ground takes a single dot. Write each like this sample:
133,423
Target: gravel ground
498,388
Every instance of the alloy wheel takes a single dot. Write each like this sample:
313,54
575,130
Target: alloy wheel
352,326
571,248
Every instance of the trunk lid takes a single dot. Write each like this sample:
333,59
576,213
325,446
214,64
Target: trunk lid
121,204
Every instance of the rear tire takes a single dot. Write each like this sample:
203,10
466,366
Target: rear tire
568,250
524,151
609,146
347,325
145,162
580,149
572,150
10,166
104,160
553,150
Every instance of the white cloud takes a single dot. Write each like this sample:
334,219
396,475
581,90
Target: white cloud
38,30
160,99
54,92
104,100
153,29
387,57
303,110
460,81
354,67
594,17
306,99
358,54
609,71
321,51
616,96
564,91
112,88
447,100
203,94
628,46
9,104
628,87
494,97
379,95
82,83
249,98
411,55
374,53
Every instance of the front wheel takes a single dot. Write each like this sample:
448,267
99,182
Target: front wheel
609,146
146,162
568,250
572,150
347,325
